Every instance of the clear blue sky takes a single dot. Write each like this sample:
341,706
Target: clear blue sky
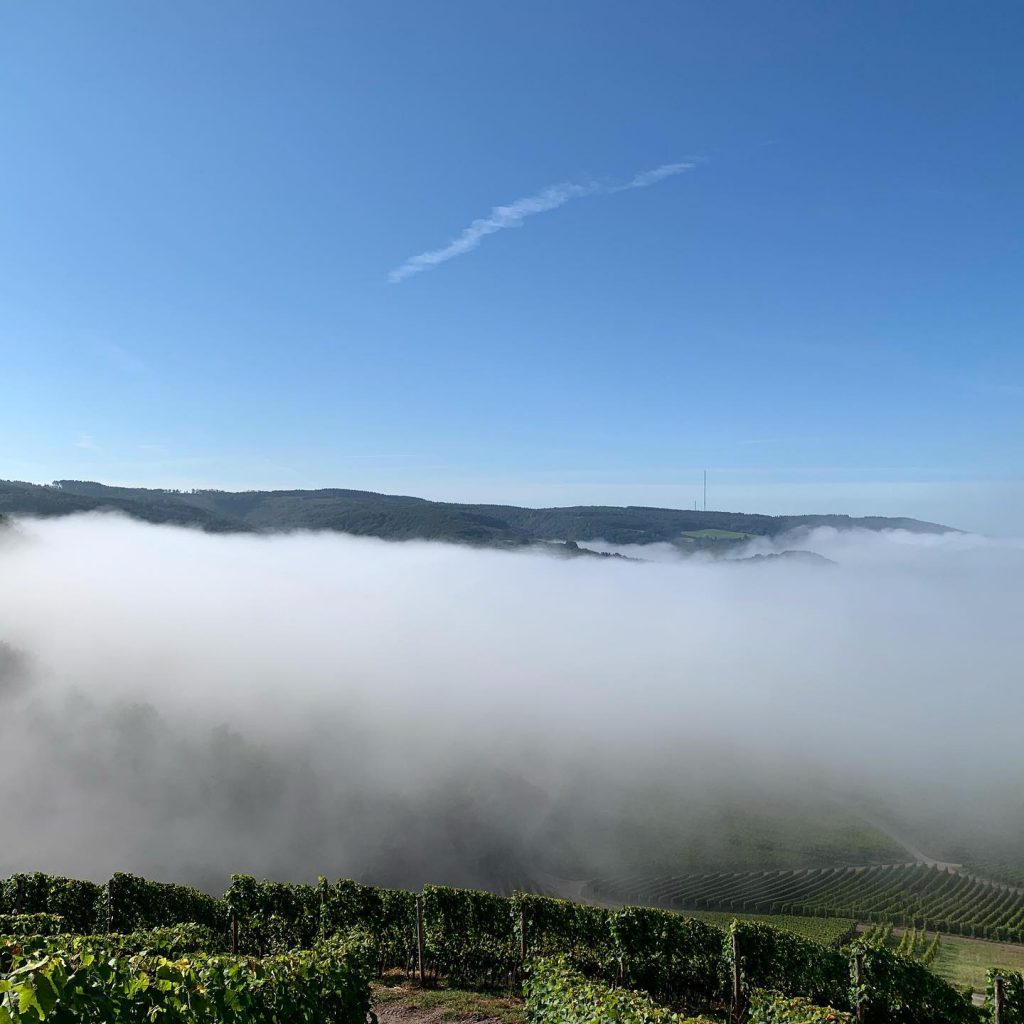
202,204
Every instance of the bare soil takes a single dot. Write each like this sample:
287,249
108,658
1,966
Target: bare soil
401,1002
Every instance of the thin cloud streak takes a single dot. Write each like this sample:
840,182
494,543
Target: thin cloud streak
513,214
646,178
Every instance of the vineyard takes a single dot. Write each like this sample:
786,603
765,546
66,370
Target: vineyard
829,931
277,953
914,895
1006,869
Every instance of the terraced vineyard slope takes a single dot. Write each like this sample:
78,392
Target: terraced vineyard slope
906,894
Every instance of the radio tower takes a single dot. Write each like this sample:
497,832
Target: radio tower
705,490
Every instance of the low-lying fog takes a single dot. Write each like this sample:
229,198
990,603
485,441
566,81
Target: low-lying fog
187,705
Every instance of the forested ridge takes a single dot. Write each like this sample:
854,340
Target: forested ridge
401,517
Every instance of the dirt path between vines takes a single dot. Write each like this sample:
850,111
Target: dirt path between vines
392,1013
400,1002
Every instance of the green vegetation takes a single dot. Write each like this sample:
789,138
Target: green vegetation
785,963
329,983
897,993
31,924
772,1008
716,535
679,961
558,994
913,943
80,904
177,941
1013,996
878,935
397,517
914,895
184,973
896,989
135,903
674,958
126,903
1008,869
829,931
965,962
962,962
555,927
277,915
470,934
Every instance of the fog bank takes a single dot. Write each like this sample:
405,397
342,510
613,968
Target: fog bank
187,705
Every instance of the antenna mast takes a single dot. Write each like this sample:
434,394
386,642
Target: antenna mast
705,490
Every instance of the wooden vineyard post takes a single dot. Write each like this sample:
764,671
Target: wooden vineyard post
419,943
19,900
858,977
737,982
522,935
110,910
234,933
998,1000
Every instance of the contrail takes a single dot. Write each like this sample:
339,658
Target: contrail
513,214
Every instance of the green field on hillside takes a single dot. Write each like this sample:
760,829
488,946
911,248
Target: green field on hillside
903,894
966,961
960,961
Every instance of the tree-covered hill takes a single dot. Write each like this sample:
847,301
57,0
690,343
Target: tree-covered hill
398,517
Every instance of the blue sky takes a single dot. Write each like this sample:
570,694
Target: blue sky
205,206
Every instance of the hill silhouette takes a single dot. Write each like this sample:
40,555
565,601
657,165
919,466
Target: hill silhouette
402,517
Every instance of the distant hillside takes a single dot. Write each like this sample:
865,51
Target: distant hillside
396,517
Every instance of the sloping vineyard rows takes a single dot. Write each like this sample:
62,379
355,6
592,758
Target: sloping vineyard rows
1008,870
916,895
470,938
